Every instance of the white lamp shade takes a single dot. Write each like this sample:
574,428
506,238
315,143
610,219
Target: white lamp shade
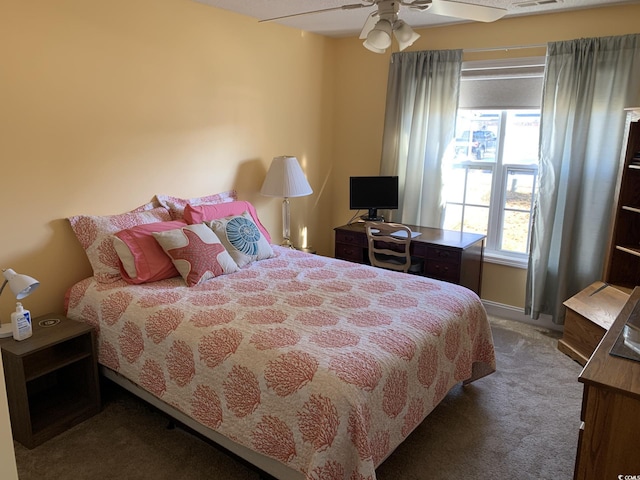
373,49
404,34
285,178
20,285
379,38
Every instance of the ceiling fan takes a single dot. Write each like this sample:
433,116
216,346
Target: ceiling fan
384,21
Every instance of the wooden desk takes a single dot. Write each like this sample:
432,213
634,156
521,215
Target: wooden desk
608,439
447,255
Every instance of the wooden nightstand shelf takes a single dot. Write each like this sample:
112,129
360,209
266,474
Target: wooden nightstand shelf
52,379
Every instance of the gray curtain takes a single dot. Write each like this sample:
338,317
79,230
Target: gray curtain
588,83
420,117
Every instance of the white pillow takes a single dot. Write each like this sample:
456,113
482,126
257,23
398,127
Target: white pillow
242,238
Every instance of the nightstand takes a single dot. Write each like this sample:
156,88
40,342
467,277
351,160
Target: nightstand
52,378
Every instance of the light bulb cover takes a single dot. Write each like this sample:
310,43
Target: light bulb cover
380,36
404,34
372,48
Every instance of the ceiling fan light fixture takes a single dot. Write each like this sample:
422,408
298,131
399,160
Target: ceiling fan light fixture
379,38
372,48
404,34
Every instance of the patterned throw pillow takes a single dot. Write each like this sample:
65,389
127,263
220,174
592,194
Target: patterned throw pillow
242,238
208,212
196,253
142,259
95,234
176,205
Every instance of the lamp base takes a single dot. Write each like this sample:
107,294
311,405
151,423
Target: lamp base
6,331
287,243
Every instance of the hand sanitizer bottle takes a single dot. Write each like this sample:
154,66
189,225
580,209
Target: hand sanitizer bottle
21,323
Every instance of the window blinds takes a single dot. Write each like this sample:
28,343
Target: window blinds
502,84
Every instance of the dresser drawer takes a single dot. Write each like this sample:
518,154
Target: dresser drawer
352,253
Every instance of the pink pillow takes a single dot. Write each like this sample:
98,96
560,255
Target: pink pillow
142,259
206,213
176,205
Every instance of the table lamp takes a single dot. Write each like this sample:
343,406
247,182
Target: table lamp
21,286
285,179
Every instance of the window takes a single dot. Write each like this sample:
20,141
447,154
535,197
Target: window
490,173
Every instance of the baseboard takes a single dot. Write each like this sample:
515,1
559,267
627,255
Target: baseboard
513,313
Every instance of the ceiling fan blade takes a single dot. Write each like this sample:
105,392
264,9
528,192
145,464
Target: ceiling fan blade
352,6
417,4
466,11
372,19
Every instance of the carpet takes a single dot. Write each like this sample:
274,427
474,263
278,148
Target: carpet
520,422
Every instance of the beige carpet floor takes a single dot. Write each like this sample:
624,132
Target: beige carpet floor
518,423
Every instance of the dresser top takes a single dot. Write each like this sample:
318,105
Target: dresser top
612,372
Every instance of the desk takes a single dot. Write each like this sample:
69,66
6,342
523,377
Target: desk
447,255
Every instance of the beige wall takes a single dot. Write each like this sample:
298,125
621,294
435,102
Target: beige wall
361,78
105,104
8,470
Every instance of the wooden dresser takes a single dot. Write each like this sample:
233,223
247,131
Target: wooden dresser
447,255
609,439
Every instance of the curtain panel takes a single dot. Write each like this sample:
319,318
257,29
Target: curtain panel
420,117
587,85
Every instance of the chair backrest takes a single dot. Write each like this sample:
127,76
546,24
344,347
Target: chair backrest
389,251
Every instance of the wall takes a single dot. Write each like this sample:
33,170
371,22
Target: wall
8,470
362,77
105,104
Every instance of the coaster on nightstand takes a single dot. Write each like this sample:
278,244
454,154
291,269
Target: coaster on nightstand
49,322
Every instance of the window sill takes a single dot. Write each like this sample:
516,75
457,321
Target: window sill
506,260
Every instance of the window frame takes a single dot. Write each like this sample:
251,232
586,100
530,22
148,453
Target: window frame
498,197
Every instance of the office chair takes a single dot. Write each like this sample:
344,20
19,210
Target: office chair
392,252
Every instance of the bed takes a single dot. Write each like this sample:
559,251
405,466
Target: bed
305,366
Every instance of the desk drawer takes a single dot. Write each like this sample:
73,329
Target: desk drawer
447,271
352,238
451,255
352,253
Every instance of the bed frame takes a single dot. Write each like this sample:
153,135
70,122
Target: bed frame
261,462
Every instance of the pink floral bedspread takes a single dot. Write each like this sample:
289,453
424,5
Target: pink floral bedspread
322,364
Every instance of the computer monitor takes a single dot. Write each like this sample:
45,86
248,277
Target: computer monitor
373,193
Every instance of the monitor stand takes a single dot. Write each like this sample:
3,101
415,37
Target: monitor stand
372,216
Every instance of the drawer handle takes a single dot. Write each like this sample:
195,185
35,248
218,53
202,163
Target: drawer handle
444,254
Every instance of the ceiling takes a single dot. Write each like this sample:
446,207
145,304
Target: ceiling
344,23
